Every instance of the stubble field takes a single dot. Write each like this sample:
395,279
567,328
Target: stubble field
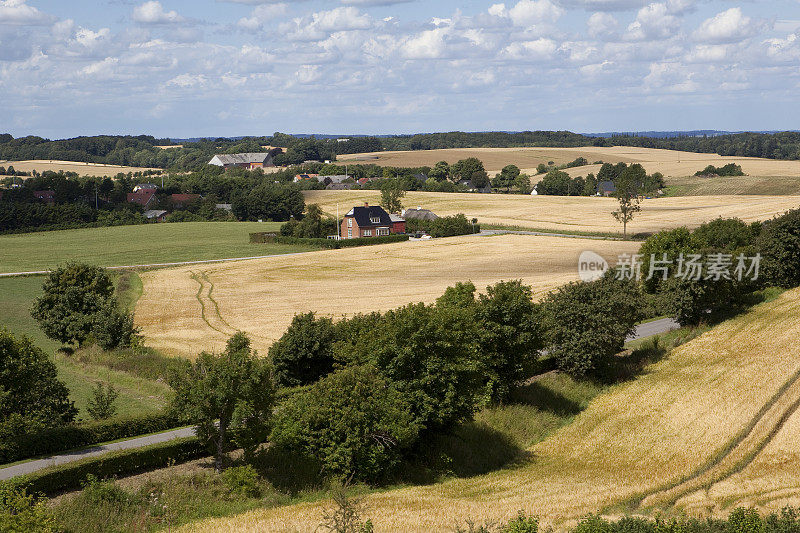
671,163
570,214
707,408
188,309
83,169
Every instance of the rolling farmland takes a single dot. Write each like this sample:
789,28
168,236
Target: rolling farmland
576,213
82,169
188,309
709,407
671,163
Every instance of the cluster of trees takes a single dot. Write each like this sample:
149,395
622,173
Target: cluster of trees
312,225
360,395
731,169
559,183
697,298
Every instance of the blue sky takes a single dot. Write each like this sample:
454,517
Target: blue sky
186,68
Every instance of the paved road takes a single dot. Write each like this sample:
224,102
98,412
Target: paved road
60,459
644,330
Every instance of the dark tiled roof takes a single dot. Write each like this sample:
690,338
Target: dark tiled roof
607,186
364,214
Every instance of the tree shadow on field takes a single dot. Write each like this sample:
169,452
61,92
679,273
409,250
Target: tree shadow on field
471,449
545,399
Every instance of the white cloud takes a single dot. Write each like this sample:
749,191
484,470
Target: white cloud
102,69
531,12
152,12
187,80
705,53
602,25
654,21
261,15
539,49
321,24
18,13
725,27
429,44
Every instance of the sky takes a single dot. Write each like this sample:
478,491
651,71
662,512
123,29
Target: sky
192,68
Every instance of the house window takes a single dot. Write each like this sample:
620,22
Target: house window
375,220
367,233
349,222
383,231
349,234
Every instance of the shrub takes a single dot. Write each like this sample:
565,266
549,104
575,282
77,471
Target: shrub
242,480
101,404
23,513
522,523
588,323
354,422
304,353
97,491
444,226
270,238
779,244
113,328
431,354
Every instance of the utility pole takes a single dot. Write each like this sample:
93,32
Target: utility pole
95,198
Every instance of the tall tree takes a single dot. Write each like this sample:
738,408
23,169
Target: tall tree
392,195
628,191
229,396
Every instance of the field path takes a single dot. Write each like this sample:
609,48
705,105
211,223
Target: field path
742,450
209,307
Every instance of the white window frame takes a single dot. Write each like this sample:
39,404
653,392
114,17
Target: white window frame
367,233
349,234
375,220
382,231
349,222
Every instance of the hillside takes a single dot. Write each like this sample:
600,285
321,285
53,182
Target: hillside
575,213
707,401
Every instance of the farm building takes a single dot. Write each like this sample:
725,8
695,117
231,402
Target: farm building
48,196
249,160
419,214
340,186
144,186
144,197
179,201
369,221
606,188
398,223
159,215
304,177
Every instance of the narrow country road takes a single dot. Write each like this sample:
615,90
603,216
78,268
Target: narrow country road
648,329
93,451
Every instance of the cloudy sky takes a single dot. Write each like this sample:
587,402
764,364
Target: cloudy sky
186,68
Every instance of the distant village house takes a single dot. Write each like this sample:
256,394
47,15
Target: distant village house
48,197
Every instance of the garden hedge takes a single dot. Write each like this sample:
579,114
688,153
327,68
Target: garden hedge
73,436
72,476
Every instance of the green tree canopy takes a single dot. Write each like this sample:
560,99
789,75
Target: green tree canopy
304,353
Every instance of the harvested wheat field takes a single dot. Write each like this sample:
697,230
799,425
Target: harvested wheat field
671,163
83,169
188,309
575,213
707,401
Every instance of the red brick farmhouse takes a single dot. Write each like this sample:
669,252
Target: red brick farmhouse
370,221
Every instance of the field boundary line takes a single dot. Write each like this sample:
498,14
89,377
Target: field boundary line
214,302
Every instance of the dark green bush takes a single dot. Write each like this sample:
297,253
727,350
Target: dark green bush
242,480
354,422
779,244
269,238
304,353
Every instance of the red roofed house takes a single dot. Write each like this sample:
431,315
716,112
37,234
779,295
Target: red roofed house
46,196
144,197
179,201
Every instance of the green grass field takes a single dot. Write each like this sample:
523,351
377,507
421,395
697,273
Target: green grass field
136,245
137,395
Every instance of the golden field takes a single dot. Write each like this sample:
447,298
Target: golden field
671,163
83,169
188,309
574,213
708,401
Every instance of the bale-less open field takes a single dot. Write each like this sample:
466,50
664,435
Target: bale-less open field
764,176
571,213
83,169
676,420
188,309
